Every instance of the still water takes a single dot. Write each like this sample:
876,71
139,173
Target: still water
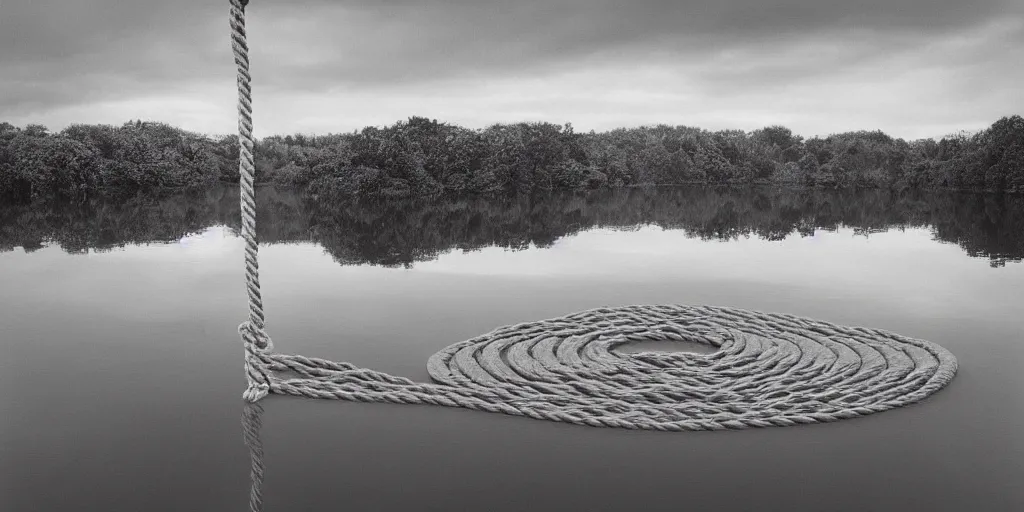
122,369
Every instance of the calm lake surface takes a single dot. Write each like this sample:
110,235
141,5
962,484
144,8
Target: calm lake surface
122,368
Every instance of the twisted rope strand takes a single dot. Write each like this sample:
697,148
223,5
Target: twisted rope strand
769,370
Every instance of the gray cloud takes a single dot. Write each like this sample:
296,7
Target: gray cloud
381,42
57,52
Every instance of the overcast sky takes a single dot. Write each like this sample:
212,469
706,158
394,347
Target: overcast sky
913,68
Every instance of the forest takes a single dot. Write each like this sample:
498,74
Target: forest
423,157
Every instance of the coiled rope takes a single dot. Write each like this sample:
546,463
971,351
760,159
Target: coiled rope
769,370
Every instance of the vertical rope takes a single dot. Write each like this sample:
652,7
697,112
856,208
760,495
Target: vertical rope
252,331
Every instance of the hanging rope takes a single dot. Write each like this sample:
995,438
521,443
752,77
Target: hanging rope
769,370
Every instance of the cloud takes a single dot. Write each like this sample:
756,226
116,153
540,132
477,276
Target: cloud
401,42
63,56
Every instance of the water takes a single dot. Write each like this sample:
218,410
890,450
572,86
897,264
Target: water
122,375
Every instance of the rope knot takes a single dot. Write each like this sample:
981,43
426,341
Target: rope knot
255,337
257,343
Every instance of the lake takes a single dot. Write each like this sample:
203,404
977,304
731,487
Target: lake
122,366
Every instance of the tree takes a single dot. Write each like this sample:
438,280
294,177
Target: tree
48,165
1003,150
710,161
777,136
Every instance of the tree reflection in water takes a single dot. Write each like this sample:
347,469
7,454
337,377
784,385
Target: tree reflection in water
399,233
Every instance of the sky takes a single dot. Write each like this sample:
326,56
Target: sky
912,68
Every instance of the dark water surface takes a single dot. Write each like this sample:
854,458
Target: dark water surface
121,368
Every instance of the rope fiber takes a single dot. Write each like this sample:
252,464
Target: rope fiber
769,369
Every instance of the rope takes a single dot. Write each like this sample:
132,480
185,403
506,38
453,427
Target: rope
254,337
769,370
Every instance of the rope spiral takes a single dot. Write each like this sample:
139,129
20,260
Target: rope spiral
769,370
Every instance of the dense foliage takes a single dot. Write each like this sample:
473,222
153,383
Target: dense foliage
422,157
396,233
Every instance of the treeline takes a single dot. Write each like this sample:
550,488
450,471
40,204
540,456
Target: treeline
397,233
422,157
